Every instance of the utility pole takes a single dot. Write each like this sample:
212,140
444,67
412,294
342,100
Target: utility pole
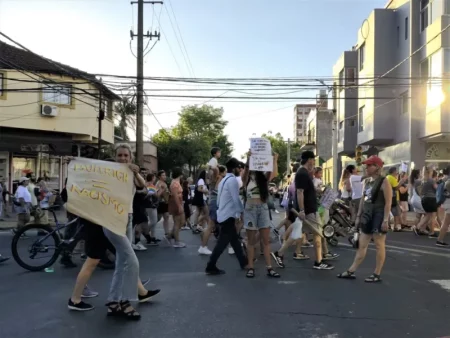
101,117
140,76
288,164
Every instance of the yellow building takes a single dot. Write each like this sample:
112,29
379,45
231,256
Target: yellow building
47,110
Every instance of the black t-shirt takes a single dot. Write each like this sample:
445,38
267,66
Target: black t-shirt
304,181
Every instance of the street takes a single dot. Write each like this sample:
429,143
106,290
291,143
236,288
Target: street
412,300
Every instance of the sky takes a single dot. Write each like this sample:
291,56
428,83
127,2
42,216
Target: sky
222,38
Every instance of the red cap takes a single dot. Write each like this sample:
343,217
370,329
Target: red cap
374,160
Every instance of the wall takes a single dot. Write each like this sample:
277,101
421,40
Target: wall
324,134
79,119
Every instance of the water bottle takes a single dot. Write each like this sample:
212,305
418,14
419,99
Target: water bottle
50,269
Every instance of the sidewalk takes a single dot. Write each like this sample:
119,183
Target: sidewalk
10,221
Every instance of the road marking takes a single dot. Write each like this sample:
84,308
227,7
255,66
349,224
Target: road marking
210,285
425,252
287,282
443,283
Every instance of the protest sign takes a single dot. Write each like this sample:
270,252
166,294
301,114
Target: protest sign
261,158
260,146
404,167
261,162
101,192
328,198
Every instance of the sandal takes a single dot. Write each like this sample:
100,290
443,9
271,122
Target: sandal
114,309
347,275
373,278
250,273
272,273
128,311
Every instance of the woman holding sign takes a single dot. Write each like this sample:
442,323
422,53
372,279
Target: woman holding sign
256,214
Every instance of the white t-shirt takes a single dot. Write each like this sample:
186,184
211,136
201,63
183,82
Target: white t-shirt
356,184
23,192
213,162
317,182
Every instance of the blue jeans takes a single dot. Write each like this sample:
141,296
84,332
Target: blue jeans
126,275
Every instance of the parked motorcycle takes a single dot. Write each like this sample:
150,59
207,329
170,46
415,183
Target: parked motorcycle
340,222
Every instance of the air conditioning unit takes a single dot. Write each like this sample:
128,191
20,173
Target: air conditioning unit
47,110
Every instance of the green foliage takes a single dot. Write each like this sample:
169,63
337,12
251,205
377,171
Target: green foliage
125,112
190,141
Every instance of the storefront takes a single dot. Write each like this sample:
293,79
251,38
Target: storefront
437,155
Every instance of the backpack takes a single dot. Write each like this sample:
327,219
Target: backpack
441,194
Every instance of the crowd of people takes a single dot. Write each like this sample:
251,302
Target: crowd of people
226,199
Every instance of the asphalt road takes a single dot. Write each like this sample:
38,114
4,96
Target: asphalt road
412,301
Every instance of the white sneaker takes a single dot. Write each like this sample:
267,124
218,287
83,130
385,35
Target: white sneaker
185,228
138,247
203,250
230,251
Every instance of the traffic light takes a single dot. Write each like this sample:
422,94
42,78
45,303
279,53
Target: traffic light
358,155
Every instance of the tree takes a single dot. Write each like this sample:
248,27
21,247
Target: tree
279,146
189,142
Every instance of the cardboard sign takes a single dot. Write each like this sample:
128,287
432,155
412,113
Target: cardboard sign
261,163
328,198
261,159
101,192
260,146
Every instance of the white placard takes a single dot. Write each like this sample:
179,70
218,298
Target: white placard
260,146
261,163
328,198
404,167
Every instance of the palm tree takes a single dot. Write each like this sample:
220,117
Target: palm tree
125,113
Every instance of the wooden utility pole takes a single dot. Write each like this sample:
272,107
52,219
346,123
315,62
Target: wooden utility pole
101,117
140,77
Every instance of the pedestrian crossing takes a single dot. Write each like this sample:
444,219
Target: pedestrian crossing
443,283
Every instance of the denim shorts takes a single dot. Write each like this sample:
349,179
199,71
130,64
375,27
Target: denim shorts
256,217
213,210
374,225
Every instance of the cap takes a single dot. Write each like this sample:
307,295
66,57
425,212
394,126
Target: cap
23,179
232,163
374,160
308,154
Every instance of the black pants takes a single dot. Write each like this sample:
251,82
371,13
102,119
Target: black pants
227,235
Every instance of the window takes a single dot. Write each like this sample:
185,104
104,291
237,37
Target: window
424,70
2,86
398,36
350,76
361,119
351,122
424,7
406,28
362,56
404,102
107,107
57,94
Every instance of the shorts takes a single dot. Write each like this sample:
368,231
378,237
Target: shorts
213,210
139,217
374,226
313,224
395,210
163,208
404,206
95,241
256,217
429,204
187,210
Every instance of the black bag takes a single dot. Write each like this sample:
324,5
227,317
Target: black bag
367,214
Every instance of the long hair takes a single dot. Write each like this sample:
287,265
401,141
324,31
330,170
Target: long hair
345,175
415,174
262,184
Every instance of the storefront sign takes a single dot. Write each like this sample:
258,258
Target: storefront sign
101,192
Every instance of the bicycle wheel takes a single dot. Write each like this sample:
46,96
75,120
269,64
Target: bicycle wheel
38,235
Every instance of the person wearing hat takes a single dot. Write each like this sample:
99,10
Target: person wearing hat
372,218
229,207
23,196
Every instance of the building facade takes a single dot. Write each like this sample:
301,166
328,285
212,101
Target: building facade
301,112
47,110
403,102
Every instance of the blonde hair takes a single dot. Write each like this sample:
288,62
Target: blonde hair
345,175
124,146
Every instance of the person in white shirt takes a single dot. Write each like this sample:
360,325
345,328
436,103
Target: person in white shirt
214,161
31,189
23,196
357,190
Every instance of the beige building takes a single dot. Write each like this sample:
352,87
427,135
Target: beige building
47,110
301,113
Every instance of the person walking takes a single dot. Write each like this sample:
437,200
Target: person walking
229,209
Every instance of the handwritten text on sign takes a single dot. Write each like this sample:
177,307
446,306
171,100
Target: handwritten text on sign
100,192
260,146
261,162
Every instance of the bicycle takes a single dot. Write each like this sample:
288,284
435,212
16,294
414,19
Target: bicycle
44,232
